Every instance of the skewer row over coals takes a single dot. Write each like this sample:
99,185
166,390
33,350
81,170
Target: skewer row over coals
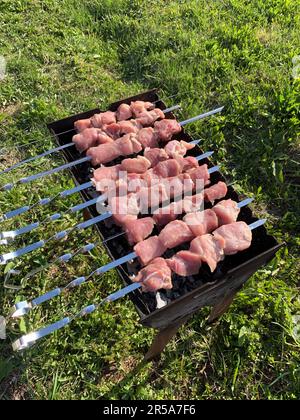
145,195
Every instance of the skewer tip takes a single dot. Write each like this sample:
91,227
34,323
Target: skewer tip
257,224
195,141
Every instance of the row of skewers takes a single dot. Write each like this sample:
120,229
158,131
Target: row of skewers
129,189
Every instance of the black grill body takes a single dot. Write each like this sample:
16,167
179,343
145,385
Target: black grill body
190,293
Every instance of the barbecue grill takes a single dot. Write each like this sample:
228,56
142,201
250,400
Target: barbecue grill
188,294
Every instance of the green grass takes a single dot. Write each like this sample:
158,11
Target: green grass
66,57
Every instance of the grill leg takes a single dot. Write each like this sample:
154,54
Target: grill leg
162,338
221,307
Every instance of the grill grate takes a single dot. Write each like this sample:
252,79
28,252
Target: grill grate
188,293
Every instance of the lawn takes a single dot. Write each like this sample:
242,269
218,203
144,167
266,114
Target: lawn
69,56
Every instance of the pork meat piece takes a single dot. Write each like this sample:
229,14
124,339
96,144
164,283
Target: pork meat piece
104,118
152,189
155,155
175,233
187,163
122,219
103,138
149,249
192,203
81,125
127,127
209,249
166,129
107,173
201,222
124,112
178,185
123,208
157,275
147,137
147,118
215,192
151,197
167,168
177,148
137,107
166,214
103,153
86,139
237,237
135,182
150,177
170,212
112,130
137,165
227,211
138,230
123,204
184,263
128,145
124,146
198,175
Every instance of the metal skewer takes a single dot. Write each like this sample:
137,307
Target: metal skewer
165,111
28,340
67,131
22,308
4,258
47,200
8,236
65,258
60,148
44,201
205,115
69,165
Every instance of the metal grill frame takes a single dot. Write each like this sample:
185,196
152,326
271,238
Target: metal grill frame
237,268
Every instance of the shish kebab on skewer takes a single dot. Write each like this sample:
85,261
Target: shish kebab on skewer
136,109
20,146
124,146
227,239
47,200
226,234
74,128
11,234
186,182
161,217
173,160
153,156
146,118
95,136
194,224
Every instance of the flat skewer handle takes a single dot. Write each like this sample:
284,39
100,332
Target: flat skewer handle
45,201
60,235
65,146
10,235
29,339
23,307
48,152
54,170
26,341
